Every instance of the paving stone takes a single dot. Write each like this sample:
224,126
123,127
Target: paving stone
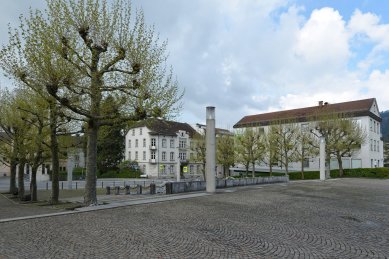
345,218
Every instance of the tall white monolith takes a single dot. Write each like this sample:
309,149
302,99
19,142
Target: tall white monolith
210,143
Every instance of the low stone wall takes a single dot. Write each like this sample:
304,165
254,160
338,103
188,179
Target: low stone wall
193,186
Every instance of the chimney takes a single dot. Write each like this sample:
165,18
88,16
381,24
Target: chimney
320,103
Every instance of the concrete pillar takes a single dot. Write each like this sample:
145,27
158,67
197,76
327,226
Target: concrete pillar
322,158
210,142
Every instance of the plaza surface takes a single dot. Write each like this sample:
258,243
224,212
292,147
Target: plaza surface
343,218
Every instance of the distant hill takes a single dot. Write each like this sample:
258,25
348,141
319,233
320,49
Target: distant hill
385,125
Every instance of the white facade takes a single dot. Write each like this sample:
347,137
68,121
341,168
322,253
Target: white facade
370,154
161,155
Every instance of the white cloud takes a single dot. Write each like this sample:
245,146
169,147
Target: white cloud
247,57
323,40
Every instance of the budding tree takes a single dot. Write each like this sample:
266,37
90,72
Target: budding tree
88,49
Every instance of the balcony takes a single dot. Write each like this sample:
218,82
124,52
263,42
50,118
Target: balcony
153,147
153,161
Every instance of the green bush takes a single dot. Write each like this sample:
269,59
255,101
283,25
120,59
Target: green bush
124,173
357,172
79,174
63,175
309,175
382,172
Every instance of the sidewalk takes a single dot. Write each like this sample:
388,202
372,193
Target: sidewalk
12,211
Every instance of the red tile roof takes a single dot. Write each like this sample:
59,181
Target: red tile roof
353,108
164,127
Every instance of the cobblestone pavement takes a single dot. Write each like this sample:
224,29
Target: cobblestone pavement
347,218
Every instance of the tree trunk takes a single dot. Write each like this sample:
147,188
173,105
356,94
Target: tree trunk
90,197
33,187
302,163
327,164
271,169
340,165
247,169
302,169
12,179
21,180
253,171
204,172
286,165
54,199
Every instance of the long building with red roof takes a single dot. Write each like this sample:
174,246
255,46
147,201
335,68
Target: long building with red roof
365,111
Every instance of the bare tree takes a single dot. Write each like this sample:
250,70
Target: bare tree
199,150
225,152
250,148
285,137
271,149
307,146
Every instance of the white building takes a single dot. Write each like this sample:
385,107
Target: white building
162,148
365,111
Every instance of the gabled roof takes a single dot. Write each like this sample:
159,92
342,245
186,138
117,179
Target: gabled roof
349,109
164,127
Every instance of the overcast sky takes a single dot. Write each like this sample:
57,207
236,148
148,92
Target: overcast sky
247,57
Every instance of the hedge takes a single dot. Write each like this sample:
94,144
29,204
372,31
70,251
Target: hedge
382,173
79,174
125,173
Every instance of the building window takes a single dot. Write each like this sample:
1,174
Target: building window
163,156
198,169
371,125
374,145
133,132
136,142
129,155
378,146
171,156
191,169
371,145
172,143
136,155
182,143
152,156
153,142
144,169
129,143
171,169
140,131
144,155
182,156
164,143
